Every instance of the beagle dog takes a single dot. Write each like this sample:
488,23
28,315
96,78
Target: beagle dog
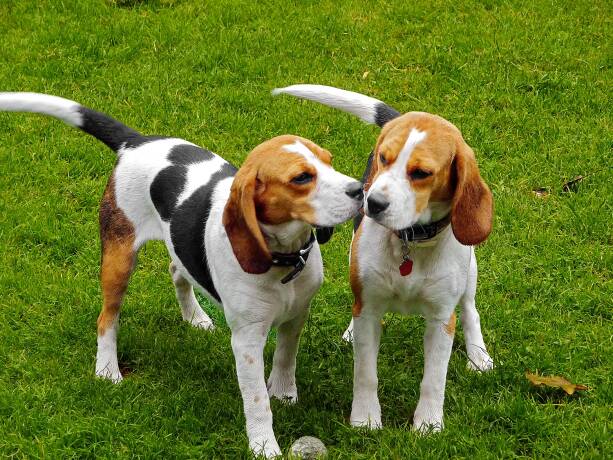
425,206
244,237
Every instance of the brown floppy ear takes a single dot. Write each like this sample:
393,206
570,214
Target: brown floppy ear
472,205
241,224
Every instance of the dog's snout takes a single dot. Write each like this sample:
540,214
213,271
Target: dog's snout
355,191
376,203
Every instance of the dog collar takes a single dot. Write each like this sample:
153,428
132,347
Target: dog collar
419,232
293,259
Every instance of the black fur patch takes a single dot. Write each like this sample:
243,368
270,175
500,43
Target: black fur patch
357,220
187,230
166,188
324,234
384,113
170,182
188,154
138,141
107,129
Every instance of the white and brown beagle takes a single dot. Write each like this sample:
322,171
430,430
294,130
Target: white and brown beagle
242,237
425,207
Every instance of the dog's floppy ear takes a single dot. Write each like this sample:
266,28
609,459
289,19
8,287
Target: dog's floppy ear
241,224
472,205
324,234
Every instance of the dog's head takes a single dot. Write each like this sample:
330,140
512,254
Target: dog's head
421,164
285,179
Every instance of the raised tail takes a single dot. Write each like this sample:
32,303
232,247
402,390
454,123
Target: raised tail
104,128
369,109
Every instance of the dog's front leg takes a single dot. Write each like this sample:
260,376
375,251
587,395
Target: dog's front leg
282,379
438,340
248,347
366,410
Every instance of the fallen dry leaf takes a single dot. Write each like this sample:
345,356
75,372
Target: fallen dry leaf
365,74
572,185
541,192
554,381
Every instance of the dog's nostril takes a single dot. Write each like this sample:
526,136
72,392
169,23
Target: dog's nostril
376,204
355,191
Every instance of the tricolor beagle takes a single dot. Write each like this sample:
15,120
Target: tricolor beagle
241,236
425,207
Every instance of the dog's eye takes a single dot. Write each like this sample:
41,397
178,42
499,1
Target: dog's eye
302,179
418,174
382,159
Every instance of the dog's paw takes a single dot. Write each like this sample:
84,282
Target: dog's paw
265,447
366,414
427,419
348,335
202,323
479,360
200,320
372,422
283,388
109,374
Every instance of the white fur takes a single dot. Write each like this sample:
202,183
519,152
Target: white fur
394,185
362,106
58,107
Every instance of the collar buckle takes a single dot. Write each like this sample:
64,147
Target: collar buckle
296,259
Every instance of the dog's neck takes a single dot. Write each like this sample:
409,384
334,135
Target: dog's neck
435,210
288,237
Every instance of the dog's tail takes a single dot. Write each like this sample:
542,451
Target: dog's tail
101,126
369,109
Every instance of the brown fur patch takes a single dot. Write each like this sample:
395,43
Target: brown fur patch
354,276
450,326
114,225
118,256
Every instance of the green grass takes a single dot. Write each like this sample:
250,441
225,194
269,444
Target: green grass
528,83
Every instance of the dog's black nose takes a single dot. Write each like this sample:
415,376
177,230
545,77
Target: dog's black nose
355,191
376,203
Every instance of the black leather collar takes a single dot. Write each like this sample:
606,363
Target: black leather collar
293,259
419,232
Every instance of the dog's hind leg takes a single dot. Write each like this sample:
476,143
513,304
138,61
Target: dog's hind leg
117,236
191,310
478,357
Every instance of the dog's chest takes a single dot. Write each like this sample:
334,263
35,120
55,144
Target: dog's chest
434,282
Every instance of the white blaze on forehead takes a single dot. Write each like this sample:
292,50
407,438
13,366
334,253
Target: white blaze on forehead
414,138
331,204
300,148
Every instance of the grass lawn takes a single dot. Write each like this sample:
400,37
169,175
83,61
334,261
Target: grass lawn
528,83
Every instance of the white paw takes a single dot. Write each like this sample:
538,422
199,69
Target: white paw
366,414
479,360
109,373
348,334
282,388
200,320
266,447
427,419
